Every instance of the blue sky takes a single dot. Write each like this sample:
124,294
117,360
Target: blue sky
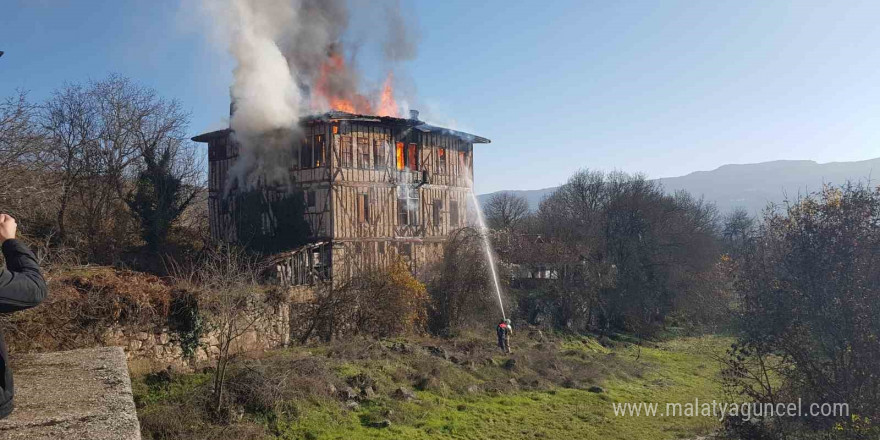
661,87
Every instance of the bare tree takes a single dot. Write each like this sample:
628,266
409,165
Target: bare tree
506,211
737,228
623,251
24,167
122,159
461,288
21,144
230,297
71,126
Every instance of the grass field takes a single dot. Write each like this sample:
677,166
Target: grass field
473,395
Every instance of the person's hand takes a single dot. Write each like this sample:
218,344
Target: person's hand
7,227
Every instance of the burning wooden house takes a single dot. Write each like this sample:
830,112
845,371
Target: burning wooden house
374,188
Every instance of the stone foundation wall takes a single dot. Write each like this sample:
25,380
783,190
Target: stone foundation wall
270,330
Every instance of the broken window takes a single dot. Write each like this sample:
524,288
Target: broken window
400,163
319,151
437,211
441,161
407,206
363,153
310,199
453,213
322,262
347,153
305,154
405,250
363,208
412,157
378,153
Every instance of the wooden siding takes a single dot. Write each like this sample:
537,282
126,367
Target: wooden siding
356,242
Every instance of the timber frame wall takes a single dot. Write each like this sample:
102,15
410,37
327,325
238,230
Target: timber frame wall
366,201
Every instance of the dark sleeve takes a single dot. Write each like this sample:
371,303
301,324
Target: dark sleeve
21,284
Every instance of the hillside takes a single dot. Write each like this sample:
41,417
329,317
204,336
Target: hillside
552,387
751,186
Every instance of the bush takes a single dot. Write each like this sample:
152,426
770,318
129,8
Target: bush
84,303
377,302
809,327
265,386
461,287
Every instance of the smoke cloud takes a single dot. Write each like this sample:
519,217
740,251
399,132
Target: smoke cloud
401,40
291,61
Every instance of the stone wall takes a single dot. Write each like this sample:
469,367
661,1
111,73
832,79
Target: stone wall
78,394
162,345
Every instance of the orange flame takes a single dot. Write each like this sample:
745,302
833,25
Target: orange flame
387,103
351,101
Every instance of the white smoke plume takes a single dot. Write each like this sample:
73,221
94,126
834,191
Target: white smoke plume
291,62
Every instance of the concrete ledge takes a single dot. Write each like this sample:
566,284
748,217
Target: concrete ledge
78,394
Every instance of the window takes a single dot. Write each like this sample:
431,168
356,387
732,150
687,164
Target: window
453,213
462,163
378,154
450,161
347,153
380,247
399,156
441,161
363,153
405,250
437,211
407,206
217,149
363,208
305,154
310,199
412,157
319,151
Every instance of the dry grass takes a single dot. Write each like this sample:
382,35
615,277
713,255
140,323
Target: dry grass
83,303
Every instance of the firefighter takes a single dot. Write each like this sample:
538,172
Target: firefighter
504,331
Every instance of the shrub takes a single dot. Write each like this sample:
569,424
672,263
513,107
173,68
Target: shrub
379,302
810,298
84,303
461,286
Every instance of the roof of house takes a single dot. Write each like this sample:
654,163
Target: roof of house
415,124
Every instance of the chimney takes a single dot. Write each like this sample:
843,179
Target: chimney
414,115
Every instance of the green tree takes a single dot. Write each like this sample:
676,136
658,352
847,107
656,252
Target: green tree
159,198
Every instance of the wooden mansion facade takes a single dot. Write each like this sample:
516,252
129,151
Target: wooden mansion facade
374,188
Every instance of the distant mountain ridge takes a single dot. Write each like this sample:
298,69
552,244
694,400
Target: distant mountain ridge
751,186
